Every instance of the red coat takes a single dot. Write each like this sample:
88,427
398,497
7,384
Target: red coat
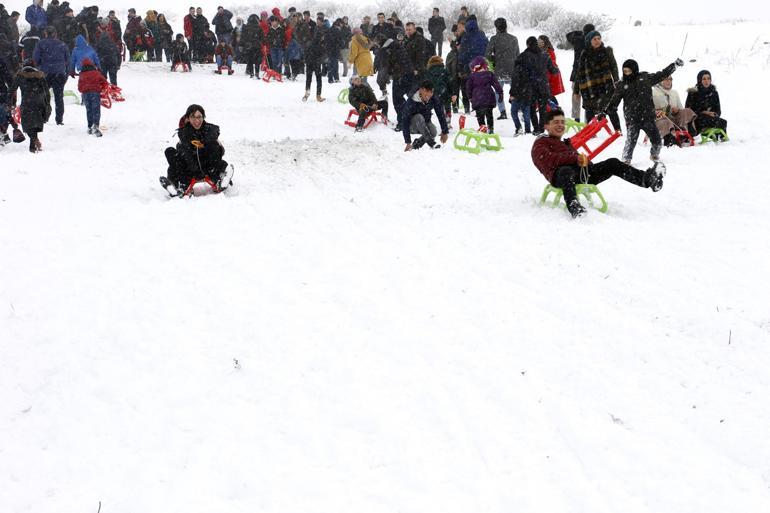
188,23
224,50
91,80
551,153
557,85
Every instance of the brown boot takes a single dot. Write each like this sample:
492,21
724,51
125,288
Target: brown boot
318,98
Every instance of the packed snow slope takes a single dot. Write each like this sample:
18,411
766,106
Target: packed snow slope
354,329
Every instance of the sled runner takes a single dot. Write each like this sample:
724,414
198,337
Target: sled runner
374,116
473,141
713,135
587,190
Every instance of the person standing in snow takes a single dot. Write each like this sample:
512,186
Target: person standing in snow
535,65
109,57
198,154
223,27
502,50
596,74
360,56
36,16
416,117
81,52
564,167
485,92
251,44
315,54
35,102
577,40
554,79
703,99
635,89
443,86
436,28
52,58
90,84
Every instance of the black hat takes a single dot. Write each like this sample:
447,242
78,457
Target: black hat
633,66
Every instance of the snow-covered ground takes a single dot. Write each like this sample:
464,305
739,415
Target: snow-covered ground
353,328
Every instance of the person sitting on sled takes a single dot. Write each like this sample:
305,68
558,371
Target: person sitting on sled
197,155
564,167
180,54
223,53
362,98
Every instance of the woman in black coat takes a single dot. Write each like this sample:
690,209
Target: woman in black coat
109,57
198,154
35,103
315,56
703,99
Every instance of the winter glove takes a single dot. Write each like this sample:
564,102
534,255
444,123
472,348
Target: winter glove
582,160
601,115
679,62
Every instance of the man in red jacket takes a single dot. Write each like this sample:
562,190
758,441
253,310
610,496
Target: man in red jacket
564,167
188,26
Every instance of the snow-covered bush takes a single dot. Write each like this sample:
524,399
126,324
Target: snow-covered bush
530,13
563,22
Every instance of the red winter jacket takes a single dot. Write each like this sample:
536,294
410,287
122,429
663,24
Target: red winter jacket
224,50
554,79
188,23
91,79
551,153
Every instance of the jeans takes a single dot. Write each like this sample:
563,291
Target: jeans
92,102
632,135
56,81
503,82
229,63
276,59
522,106
225,38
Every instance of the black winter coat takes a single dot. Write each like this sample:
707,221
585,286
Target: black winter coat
166,35
578,42
315,54
35,98
417,49
436,28
532,66
701,99
276,37
334,42
199,25
399,63
636,94
222,23
199,161
252,35
361,94
109,58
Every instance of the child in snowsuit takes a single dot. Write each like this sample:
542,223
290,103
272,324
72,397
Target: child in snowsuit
90,84
485,91
635,89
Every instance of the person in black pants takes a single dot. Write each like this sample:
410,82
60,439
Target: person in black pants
564,167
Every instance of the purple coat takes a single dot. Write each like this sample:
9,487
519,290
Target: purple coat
481,87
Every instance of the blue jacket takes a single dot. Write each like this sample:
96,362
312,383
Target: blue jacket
473,44
414,105
51,56
36,16
80,52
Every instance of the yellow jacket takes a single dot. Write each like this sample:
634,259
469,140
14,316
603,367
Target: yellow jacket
360,56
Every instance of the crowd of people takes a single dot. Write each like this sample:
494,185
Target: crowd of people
413,76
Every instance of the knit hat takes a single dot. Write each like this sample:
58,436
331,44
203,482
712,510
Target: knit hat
263,14
479,64
588,27
357,30
592,35
633,66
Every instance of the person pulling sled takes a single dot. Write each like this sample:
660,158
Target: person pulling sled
197,156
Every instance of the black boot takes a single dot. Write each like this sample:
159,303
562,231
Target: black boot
654,176
576,209
502,115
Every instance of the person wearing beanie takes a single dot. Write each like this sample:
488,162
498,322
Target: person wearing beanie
362,98
485,93
635,89
596,75
704,100
502,50
90,84
564,167
35,102
577,39
360,56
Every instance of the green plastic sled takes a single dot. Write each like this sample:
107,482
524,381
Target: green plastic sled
474,141
713,135
583,189
72,94
571,124
343,96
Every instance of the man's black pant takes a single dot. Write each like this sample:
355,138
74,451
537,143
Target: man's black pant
438,45
56,81
313,68
566,177
382,106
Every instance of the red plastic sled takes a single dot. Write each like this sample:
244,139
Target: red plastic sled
189,191
17,114
580,140
374,116
111,93
267,73
184,65
683,138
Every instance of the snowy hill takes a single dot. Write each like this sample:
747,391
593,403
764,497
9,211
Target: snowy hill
353,328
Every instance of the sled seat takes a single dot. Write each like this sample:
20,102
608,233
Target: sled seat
473,141
587,190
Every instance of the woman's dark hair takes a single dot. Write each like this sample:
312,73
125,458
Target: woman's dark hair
549,115
546,41
192,109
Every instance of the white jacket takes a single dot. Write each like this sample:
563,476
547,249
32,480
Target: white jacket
665,100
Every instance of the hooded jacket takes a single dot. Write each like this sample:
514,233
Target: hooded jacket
91,79
35,98
80,52
360,56
703,99
473,44
482,87
636,92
